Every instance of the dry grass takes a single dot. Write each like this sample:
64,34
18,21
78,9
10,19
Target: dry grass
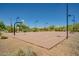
27,52
4,37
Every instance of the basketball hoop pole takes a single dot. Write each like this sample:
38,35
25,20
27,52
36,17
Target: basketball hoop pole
15,27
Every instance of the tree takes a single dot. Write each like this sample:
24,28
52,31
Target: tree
23,27
50,28
76,27
2,26
8,28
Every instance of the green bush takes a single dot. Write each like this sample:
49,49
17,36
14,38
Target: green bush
4,37
34,29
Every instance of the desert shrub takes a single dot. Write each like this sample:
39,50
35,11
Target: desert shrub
34,29
0,33
24,30
30,52
4,37
26,52
20,53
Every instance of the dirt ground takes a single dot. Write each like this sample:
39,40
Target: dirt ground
42,39
66,47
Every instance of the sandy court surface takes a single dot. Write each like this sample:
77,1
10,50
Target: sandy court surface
42,39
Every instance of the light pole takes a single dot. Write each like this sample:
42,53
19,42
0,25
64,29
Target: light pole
66,20
73,20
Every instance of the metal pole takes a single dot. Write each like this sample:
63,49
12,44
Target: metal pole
67,21
14,29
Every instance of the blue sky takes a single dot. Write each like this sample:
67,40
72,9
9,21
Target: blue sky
46,14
